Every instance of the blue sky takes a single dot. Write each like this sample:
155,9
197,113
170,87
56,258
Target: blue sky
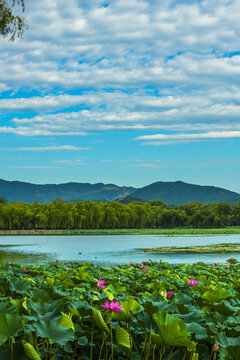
123,91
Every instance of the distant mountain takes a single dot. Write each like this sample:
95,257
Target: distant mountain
170,192
22,191
178,192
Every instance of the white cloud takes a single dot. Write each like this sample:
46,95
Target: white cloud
49,148
207,135
187,51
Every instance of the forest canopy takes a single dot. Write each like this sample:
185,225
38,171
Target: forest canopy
114,215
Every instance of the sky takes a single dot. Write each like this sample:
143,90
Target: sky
123,91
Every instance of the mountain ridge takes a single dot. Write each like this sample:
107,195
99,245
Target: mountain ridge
175,193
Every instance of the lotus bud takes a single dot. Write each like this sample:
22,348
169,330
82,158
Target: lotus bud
216,347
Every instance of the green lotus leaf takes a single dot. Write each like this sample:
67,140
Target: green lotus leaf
74,311
50,281
152,307
83,341
144,319
66,321
45,310
10,324
54,332
42,294
199,331
20,306
234,352
225,341
30,352
123,339
233,319
172,331
99,321
225,308
216,295
129,307
115,288
20,286
6,307
82,307
183,298
56,294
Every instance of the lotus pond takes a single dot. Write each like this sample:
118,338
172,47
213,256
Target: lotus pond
151,310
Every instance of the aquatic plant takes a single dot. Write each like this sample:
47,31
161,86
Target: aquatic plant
52,312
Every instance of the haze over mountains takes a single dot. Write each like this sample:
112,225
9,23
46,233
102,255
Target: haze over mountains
170,192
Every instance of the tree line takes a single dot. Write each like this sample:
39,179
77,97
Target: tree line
114,215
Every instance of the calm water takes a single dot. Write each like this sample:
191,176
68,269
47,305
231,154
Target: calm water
111,250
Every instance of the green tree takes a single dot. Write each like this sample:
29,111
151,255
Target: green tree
3,200
12,24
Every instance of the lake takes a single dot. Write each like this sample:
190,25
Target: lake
107,249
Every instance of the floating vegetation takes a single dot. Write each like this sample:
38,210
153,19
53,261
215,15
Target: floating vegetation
205,249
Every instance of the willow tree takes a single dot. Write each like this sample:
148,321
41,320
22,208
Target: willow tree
12,23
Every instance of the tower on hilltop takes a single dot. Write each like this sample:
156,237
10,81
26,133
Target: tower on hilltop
123,194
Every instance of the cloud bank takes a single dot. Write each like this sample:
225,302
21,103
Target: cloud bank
87,66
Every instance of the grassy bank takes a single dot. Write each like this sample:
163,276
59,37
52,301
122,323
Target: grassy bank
169,232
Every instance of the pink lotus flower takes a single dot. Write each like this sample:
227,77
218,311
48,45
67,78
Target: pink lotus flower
114,306
215,264
57,260
227,267
229,260
170,293
101,284
145,271
24,271
147,262
129,263
10,267
142,265
67,266
192,282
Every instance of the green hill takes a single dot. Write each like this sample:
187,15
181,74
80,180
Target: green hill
22,191
174,193
178,192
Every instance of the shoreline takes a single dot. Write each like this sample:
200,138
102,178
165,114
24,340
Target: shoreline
168,232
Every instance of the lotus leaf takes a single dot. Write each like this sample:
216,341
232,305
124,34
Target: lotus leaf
66,321
30,352
99,321
216,295
54,332
10,325
129,307
172,331
123,339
